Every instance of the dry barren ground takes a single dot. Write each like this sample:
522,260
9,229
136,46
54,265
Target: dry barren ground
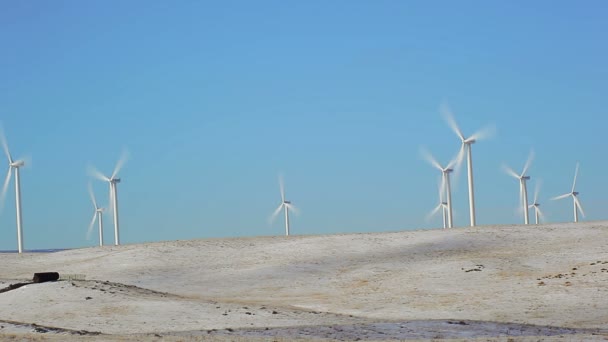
532,283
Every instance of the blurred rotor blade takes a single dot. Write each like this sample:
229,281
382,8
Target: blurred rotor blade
457,163
121,162
282,187
510,171
448,116
293,208
442,189
521,195
528,162
111,199
578,204
5,187
484,133
537,190
5,145
93,172
92,196
429,158
433,212
90,230
575,176
561,196
541,215
275,213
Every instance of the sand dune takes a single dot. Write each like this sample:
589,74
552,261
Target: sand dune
475,283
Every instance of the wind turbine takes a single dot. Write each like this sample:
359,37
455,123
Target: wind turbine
574,194
286,205
523,188
443,205
537,213
466,148
445,174
97,215
13,165
113,181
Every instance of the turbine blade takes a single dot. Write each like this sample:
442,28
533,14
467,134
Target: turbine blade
578,204
575,176
528,163
537,190
442,189
92,196
121,162
561,196
541,215
275,213
457,163
484,133
430,159
111,199
293,208
5,145
433,212
521,197
5,187
90,230
282,187
448,116
510,171
93,172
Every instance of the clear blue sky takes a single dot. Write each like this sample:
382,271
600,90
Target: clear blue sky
214,99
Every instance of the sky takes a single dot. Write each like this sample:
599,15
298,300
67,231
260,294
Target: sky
213,100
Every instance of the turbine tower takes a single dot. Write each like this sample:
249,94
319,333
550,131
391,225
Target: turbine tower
523,188
445,174
537,212
443,205
285,205
113,181
574,194
466,148
97,215
13,165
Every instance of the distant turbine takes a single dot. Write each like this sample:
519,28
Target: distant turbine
574,194
13,165
113,191
443,205
537,213
445,174
466,148
286,205
97,215
523,188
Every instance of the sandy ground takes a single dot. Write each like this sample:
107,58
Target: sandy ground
546,282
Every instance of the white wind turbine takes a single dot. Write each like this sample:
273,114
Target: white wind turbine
537,212
523,188
97,215
445,182
112,180
574,194
13,165
466,148
286,205
443,205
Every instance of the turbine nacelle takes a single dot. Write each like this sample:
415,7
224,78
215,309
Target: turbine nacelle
574,193
469,141
114,180
18,163
286,202
525,177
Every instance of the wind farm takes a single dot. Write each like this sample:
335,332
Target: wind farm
305,171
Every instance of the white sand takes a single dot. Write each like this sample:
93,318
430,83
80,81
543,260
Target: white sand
484,282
